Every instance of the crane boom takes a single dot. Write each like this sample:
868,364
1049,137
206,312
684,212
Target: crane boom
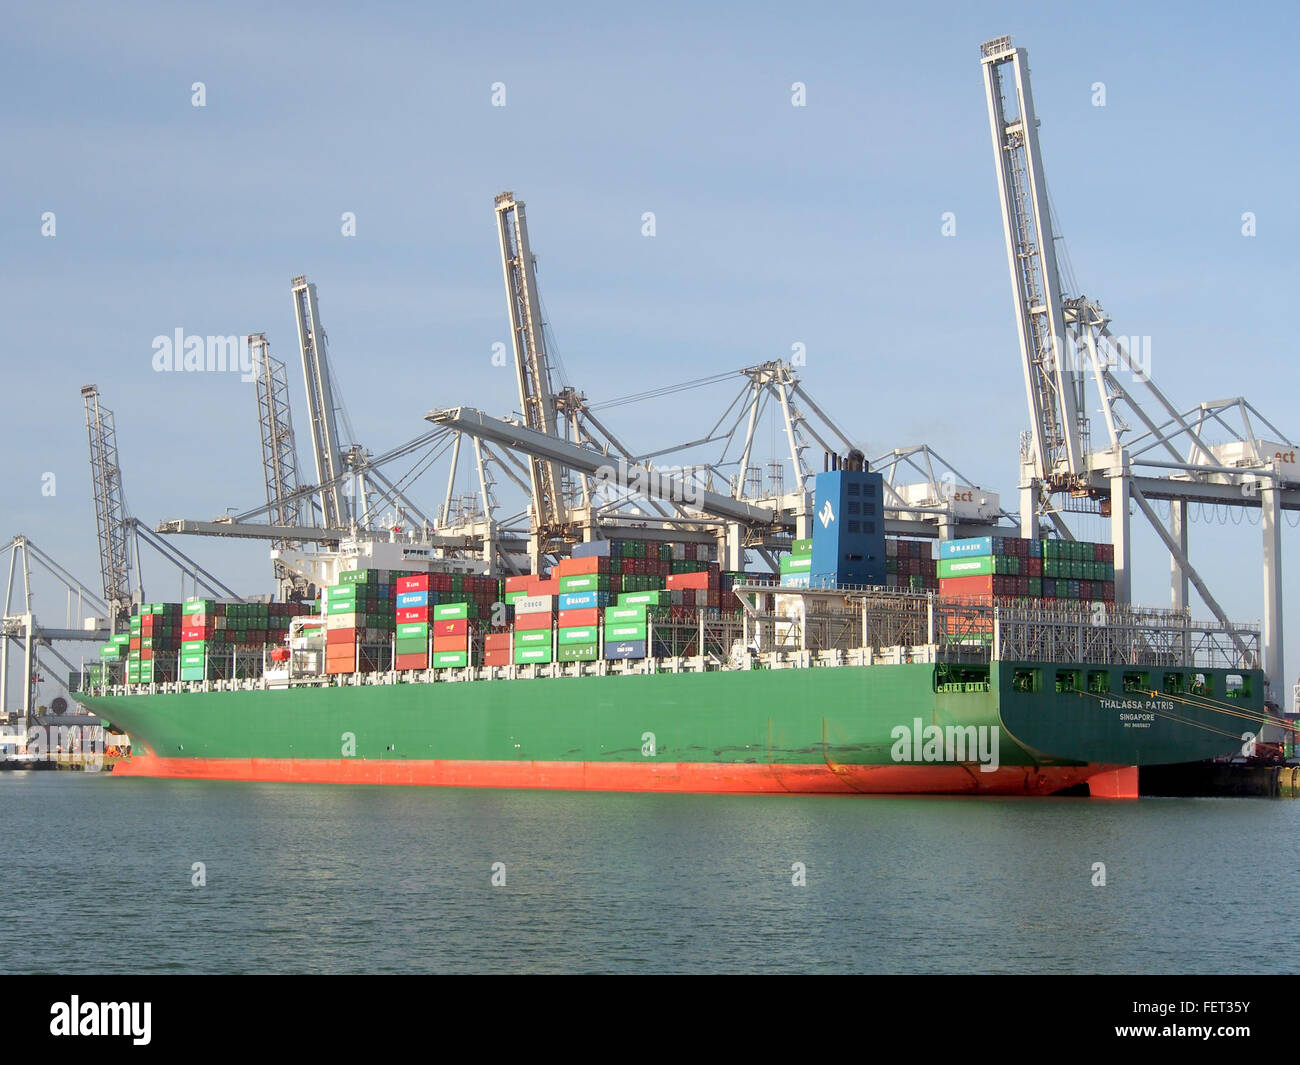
592,463
279,453
320,404
1053,383
532,366
111,521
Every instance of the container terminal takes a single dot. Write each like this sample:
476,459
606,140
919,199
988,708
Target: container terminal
881,624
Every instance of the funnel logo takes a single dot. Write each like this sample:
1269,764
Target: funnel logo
827,515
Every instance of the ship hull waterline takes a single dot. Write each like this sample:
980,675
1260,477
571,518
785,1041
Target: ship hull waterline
815,731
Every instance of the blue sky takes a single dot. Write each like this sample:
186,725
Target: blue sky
775,224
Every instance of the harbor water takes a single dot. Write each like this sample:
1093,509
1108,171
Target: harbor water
112,875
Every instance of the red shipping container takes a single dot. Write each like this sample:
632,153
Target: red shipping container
192,621
340,667
146,655
545,588
497,641
449,628
498,658
704,580
590,564
451,643
967,587
338,636
529,622
196,634
519,584
573,618
414,613
414,661
419,583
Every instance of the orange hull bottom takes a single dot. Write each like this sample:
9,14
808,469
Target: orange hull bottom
701,777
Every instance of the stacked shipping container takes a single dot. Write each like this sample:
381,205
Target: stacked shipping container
989,567
910,564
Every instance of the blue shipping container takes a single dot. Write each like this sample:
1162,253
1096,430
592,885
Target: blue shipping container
582,600
407,600
973,548
625,649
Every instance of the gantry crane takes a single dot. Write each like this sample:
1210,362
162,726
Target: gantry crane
118,550
567,447
1152,450
354,507
119,533
533,372
321,409
279,459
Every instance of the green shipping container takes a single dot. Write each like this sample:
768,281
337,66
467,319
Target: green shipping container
796,564
451,612
450,659
533,638
417,646
585,582
655,597
625,613
980,566
583,634
412,629
801,547
625,632
198,606
531,656
579,652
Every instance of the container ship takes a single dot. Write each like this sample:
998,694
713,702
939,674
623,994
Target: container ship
857,662
867,665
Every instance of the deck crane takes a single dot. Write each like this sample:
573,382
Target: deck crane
1221,453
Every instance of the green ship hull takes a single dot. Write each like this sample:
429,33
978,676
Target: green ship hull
865,729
